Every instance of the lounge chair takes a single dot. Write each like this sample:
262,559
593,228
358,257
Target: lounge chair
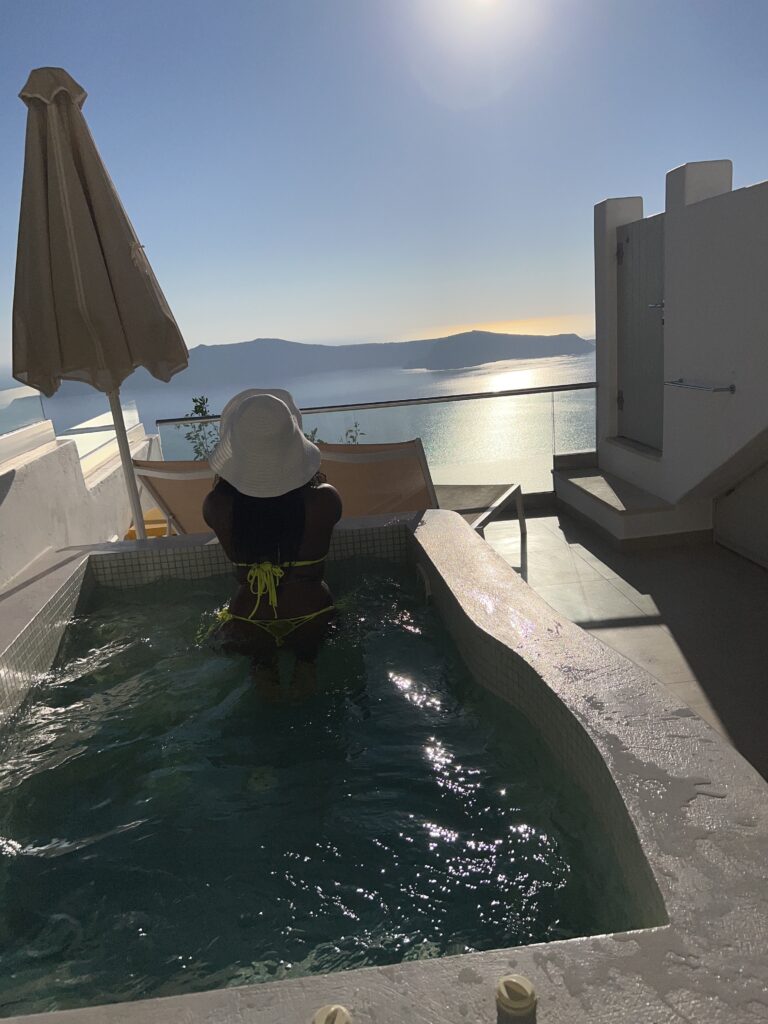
179,488
372,479
377,478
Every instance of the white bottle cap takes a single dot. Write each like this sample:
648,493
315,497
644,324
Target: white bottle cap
515,995
332,1014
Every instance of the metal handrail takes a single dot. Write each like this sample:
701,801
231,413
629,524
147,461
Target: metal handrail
398,402
680,383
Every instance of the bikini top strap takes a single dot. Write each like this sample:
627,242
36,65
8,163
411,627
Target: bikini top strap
284,565
264,578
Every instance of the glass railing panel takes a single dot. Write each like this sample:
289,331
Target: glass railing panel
102,422
189,438
487,439
19,407
75,407
130,413
574,419
93,436
499,440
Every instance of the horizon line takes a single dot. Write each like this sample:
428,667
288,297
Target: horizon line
580,324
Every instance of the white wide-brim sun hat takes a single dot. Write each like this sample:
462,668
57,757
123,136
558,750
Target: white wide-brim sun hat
262,451
233,403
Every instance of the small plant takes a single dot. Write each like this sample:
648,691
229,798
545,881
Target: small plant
201,437
353,434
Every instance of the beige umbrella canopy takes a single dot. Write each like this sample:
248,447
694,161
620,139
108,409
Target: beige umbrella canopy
86,304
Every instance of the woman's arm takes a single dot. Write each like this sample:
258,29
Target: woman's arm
331,502
217,512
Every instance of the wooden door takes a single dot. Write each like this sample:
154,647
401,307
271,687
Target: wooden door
640,279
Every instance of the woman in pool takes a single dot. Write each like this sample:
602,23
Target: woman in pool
274,518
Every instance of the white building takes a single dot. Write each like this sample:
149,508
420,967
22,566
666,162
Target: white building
682,365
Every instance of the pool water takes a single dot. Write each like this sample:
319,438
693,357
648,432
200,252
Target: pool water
164,828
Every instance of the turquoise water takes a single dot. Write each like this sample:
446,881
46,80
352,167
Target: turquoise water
165,829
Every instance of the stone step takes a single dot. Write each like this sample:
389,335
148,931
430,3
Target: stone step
626,512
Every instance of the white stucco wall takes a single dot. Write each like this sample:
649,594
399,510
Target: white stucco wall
715,333
47,503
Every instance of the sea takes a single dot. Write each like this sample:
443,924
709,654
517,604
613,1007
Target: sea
483,440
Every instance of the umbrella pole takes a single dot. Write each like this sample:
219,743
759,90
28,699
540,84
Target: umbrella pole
125,458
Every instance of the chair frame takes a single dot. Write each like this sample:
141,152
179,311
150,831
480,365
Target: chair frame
146,476
513,493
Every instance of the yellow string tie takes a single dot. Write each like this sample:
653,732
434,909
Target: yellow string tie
264,578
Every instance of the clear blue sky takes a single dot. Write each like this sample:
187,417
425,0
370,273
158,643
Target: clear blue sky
385,169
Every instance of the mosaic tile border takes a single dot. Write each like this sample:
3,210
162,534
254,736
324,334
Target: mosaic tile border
505,672
134,568
30,656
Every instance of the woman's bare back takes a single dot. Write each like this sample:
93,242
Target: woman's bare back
301,591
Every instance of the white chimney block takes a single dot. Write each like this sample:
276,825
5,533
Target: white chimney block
699,180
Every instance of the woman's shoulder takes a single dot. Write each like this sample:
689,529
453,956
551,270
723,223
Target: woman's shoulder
217,508
325,499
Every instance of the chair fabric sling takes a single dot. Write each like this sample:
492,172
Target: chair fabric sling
179,488
373,479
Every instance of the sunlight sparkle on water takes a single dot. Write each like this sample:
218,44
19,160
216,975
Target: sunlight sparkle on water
421,698
512,380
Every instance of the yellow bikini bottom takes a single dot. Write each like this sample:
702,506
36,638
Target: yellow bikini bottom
278,629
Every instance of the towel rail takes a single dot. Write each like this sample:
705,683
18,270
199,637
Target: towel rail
680,383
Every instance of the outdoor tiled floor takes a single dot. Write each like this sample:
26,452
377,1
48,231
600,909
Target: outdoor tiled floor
695,617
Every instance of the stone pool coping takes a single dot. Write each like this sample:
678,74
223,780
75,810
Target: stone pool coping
697,809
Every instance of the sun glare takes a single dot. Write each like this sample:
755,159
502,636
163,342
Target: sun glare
467,53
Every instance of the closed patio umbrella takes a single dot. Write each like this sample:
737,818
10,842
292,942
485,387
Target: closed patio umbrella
86,303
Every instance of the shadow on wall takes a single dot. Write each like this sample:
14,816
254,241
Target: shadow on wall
6,482
741,517
713,603
29,581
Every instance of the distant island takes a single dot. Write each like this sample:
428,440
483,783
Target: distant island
455,352
316,374
275,358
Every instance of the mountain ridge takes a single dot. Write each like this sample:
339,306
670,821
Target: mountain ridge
273,359
452,352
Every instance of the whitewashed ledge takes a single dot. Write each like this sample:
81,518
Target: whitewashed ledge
52,494
697,811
